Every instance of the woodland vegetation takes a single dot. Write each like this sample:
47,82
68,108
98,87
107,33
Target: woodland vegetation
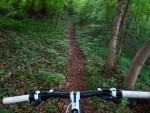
114,36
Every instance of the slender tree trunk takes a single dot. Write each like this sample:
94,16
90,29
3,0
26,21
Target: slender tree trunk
43,11
58,14
136,66
111,61
122,31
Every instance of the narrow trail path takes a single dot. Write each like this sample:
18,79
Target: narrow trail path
75,75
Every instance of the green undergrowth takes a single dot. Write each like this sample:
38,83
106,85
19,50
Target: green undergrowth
95,71
95,50
33,56
144,78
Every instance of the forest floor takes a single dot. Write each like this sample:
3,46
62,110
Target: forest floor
140,106
35,54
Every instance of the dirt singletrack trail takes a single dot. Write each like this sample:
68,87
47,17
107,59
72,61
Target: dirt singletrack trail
75,73
75,76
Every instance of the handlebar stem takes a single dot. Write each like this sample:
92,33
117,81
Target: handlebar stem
75,100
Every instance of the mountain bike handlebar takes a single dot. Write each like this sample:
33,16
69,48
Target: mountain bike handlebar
106,93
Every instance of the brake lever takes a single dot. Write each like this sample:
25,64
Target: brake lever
37,98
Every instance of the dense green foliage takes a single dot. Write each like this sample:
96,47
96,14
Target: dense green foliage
33,8
33,50
33,56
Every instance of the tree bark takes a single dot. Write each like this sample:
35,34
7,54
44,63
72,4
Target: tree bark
136,66
122,31
111,61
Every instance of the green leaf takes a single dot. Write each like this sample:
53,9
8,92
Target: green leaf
1,72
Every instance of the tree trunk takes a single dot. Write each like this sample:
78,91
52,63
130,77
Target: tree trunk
136,66
111,61
122,31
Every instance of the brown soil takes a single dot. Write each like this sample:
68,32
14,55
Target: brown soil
75,75
140,106
75,72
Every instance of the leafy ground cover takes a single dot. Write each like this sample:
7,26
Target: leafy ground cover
33,55
95,49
